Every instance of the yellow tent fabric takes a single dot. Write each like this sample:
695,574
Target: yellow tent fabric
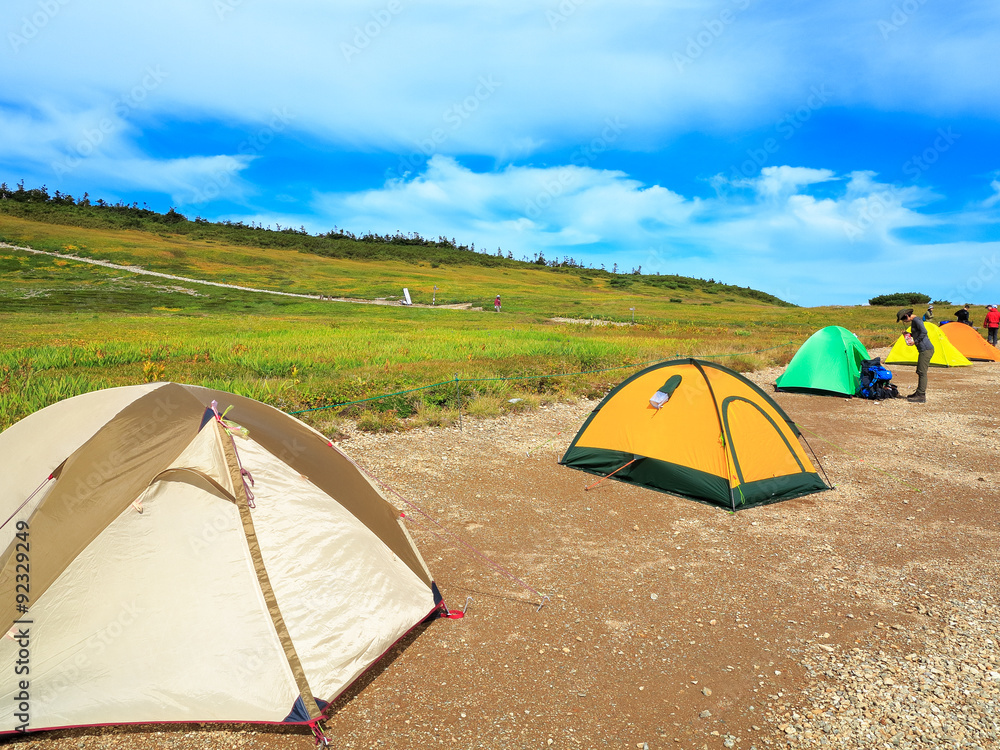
968,341
718,438
945,353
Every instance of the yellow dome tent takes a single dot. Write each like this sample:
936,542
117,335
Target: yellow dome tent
698,430
945,352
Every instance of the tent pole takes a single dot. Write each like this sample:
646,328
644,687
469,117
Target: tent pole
726,448
815,458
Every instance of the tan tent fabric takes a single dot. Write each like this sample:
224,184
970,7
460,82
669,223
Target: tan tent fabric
98,481
140,629
326,632
55,433
187,611
310,454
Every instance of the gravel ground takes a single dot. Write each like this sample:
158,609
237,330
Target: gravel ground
863,617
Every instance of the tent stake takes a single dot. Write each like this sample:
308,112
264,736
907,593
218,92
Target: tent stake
466,607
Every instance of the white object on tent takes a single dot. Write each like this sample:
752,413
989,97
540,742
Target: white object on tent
406,296
659,399
217,602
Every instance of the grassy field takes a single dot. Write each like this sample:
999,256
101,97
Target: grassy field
71,327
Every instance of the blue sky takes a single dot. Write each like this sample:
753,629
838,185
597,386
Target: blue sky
823,152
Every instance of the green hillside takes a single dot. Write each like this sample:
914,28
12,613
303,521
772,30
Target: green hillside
132,235
72,327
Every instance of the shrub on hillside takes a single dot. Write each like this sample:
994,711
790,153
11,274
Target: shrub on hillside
900,298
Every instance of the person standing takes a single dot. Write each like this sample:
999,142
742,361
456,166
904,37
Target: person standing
496,303
992,323
929,314
962,315
917,337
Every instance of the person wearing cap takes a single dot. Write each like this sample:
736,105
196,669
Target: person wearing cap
992,323
925,350
962,315
929,314
496,303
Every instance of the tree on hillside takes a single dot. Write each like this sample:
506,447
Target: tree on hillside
900,298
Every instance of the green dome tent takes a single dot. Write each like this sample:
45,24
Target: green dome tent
828,362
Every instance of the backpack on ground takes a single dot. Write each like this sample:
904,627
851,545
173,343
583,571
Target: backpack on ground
876,381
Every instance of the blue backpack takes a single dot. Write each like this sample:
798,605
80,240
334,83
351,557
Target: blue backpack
876,381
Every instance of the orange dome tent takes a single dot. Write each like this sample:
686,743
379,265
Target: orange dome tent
699,430
968,341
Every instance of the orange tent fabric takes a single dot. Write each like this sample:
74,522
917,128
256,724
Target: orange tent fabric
968,341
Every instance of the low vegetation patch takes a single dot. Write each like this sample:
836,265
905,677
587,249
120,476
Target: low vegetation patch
73,327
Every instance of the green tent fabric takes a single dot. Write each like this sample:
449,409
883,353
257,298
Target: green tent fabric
828,362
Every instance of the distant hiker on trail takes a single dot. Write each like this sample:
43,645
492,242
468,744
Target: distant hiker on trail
929,314
496,303
917,336
962,315
992,322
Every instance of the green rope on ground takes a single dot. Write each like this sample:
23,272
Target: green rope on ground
372,398
738,354
627,367
562,374
457,380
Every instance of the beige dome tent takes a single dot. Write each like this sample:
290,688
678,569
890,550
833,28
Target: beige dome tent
161,564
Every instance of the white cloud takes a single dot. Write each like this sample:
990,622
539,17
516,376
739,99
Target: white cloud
995,198
96,146
781,182
502,78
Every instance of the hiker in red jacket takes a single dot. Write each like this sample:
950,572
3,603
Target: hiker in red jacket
992,323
